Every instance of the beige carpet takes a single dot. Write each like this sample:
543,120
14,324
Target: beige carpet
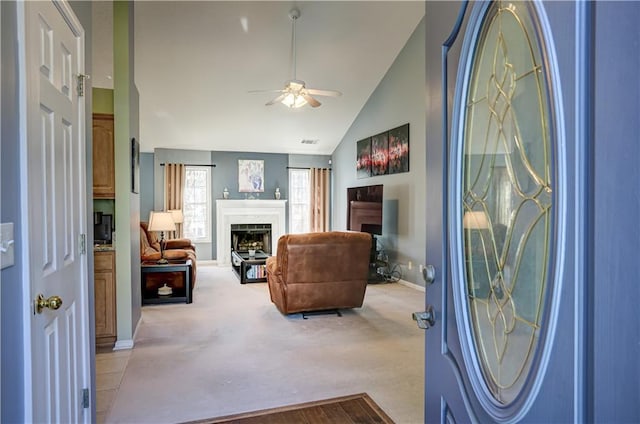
231,351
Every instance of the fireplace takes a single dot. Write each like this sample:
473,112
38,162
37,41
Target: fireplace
245,237
230,212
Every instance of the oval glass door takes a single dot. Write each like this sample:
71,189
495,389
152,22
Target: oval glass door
505,203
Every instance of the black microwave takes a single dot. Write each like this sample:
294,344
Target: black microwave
102,228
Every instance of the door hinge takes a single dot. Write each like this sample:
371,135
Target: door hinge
85,398
81,78
83,244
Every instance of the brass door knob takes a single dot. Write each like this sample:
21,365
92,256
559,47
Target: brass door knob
54,302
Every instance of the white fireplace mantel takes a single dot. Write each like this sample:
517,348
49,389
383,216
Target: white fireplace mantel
247,212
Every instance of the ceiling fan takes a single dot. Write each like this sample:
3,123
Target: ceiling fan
295,93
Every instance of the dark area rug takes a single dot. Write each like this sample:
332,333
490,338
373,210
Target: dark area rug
359,408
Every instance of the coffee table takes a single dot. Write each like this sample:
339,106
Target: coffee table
178,295
249,269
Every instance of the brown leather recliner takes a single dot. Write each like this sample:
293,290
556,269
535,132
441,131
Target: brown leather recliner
319,271
175,249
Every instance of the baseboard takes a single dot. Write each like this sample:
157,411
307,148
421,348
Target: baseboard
128,343
412,285
135,332
123,344
207,262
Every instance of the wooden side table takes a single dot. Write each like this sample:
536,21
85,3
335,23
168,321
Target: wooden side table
152,296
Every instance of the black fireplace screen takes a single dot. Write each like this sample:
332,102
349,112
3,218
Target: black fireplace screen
245,237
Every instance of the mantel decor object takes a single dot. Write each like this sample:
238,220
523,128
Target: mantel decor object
277,193
225,193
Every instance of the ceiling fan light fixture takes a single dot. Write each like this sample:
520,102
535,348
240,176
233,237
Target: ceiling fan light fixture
294,101
295,93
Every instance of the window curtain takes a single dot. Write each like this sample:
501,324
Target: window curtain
319,187
174,179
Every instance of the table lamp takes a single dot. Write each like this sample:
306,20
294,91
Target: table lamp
475,220
161,222
178,218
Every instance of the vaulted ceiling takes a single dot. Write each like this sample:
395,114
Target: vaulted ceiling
196,61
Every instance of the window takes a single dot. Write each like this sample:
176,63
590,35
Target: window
299,201
506,184
197,204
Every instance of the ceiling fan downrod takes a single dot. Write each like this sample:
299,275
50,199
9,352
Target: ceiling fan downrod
294,14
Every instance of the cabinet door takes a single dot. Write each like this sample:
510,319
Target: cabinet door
104,184
104,311
105,297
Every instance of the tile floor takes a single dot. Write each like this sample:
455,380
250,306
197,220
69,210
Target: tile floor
110,366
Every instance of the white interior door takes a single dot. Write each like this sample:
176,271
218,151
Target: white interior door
53,195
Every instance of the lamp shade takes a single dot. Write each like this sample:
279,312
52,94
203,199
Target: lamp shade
161,221
177,215
475,220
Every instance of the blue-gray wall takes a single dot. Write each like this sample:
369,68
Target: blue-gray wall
226,174
398,99
310,161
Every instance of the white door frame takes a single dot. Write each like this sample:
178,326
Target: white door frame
0,211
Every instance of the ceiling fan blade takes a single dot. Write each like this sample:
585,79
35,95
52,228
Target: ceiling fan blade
312,102
322,92
276,100
264,91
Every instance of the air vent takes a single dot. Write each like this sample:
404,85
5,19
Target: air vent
310,141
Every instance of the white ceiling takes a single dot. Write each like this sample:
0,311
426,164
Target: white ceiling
196,61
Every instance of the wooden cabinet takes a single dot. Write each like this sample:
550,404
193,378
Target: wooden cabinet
104,181
104,263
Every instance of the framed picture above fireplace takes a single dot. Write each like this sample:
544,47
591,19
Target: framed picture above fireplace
250,176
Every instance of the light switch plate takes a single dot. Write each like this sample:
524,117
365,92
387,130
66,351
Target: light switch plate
7,244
